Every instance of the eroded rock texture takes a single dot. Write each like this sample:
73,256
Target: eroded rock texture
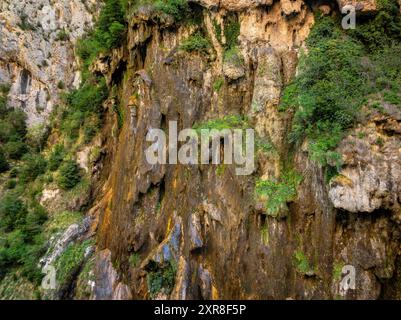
206,220
37,51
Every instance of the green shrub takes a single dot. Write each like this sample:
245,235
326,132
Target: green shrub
61,85
34,165
302,263
162,279
69,175
56,157
11,184
115,35
227,122
277,194
134,260
62,35
36,136
5,89
70,261
3,162
328,91
15,149
383,30
218,84
179,9
197,42
17,119
337,76
110,27
233,56
12,212
89,97
232,29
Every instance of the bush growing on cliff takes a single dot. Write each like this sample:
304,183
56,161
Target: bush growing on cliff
69,175
34,165
335,77
110,27
162,279
276,193
22,243
196,43
3,162
56,157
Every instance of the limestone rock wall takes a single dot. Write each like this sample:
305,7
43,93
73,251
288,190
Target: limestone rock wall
37,51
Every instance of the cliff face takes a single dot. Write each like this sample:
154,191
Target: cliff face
203,219
37,51
199,231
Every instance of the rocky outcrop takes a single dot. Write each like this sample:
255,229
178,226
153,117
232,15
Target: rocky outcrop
368,180
37,51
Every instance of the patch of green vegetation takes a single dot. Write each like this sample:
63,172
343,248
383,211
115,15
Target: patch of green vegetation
227,122
337,271
218,84
5,88
25,24
264,233
15,287
61,85
84,290
197,42
339,72
277,193
56,157
330,173
4,166
62,35
71,260
21,242
61,221
234,57
84,109
221,169
119,111
302,263
378,106
232,29
34,165
179,9
217,30
69,175
392,97
383,30
162,279
134,260
264,145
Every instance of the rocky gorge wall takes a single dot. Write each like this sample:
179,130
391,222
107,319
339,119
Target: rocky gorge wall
204,220
37,51
199,231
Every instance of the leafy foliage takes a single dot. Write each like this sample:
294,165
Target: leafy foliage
56,157
337,75
276,194
22,243
71,260
197,42
162,279
302,263
69,175
34,165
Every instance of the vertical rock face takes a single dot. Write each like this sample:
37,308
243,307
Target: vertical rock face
201,223
36,51
199,231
